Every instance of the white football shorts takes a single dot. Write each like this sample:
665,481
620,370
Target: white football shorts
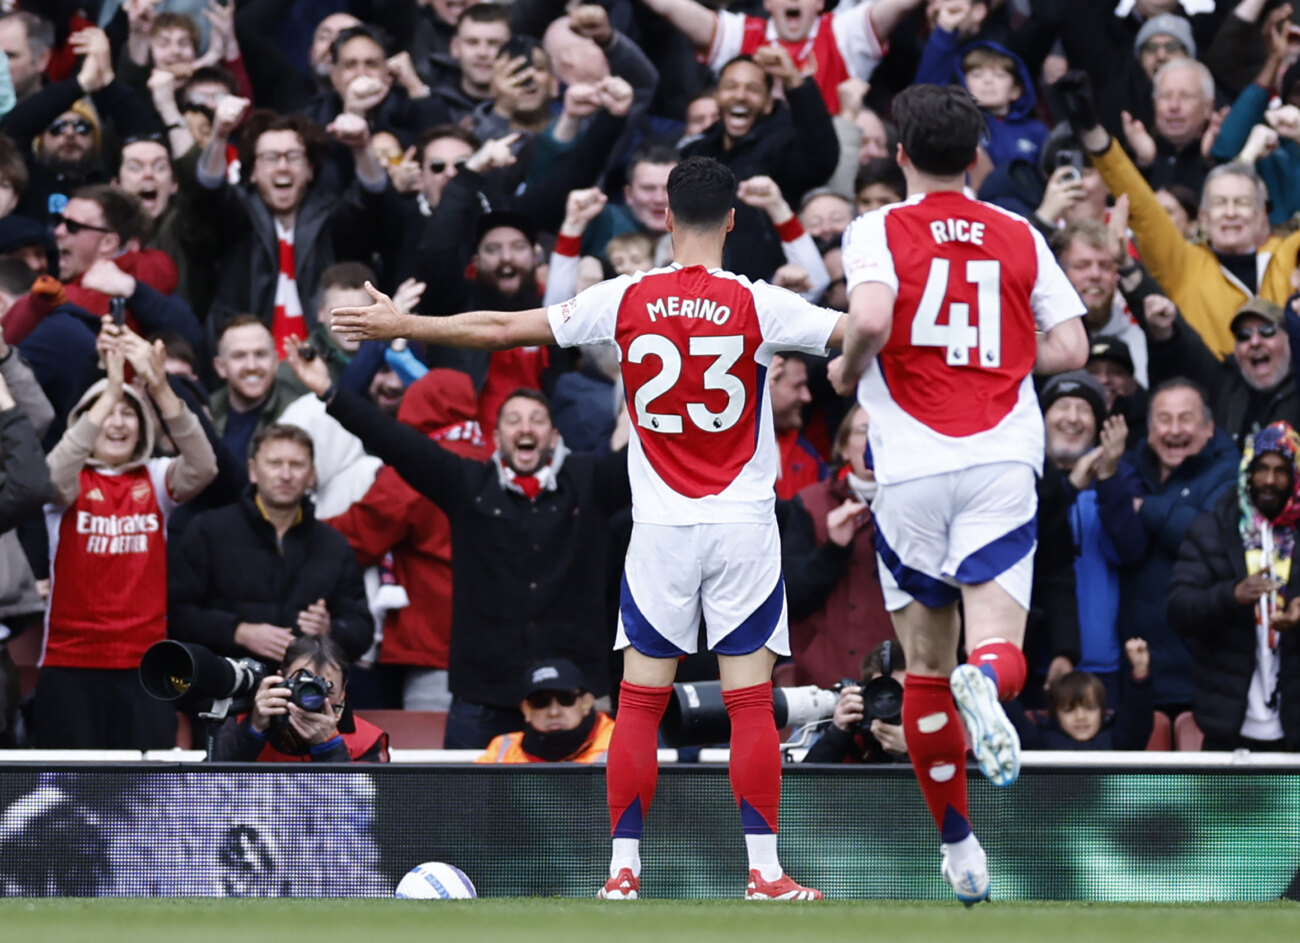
961,528
730,573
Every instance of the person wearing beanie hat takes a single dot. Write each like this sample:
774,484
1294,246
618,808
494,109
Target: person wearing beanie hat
1248,390
1111,364
1161,39
1076,384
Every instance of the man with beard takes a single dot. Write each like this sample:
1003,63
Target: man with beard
1235,594
1092,260
530,533
60,126
251,398
1178,471
561,721
1207,282
793,143
1252,388
1086,446
285,215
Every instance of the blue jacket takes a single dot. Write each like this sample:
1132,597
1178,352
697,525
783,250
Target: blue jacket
1156,532
1017,136
1097,565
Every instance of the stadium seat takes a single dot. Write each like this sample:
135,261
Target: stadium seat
1161,733
783,675
410,730
1187,736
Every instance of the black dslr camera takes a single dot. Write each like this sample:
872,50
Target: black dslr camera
882,696
309,691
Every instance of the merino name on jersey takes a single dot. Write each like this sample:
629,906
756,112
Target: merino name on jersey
694,346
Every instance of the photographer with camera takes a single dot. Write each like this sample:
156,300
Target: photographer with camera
300,714
867,726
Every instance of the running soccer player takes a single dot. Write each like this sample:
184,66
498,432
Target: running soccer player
695,342
953,304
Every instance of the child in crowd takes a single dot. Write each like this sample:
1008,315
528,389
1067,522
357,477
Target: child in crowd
630,253
1077,718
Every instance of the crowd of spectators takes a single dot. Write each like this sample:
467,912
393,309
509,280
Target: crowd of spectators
188,191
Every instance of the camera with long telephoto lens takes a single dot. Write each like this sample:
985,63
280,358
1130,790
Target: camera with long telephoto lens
697,715
179,671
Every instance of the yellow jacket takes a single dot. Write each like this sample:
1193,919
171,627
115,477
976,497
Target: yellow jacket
509,747
1207,294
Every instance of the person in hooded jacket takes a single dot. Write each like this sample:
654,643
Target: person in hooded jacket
107,530
1000,84
395,518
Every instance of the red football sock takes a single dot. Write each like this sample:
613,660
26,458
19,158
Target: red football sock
1003,662
936,745
755,768
632,762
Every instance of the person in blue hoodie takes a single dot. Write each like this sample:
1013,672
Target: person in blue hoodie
1000,84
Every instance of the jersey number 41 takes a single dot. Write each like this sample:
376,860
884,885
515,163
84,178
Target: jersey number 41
958,336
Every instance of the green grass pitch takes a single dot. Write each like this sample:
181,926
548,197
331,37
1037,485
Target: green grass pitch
592,921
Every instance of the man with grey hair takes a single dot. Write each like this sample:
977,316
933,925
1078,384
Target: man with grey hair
27,40
1208,283
1184,104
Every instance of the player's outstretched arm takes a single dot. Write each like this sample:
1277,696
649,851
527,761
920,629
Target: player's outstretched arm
1064,347
479,330
870,319
693,19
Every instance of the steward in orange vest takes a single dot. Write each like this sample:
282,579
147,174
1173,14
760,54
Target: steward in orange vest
561,723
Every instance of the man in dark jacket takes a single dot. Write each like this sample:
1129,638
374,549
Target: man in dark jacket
1251,388
249,578
794,144
1180,470
1236,598
530,532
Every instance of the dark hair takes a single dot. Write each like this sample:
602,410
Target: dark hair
1075,688
263,120
484,13
346,36
346,275
15,276
939,127
177,347
123,213
873,663
881,170
525,392
281,432
1187,198
166,20
745,57
651,154
701,192
440,131
320,650
1182,383
12,166
209,73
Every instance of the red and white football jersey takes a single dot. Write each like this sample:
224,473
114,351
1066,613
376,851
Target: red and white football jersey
108,569
695,345
953,386
839,46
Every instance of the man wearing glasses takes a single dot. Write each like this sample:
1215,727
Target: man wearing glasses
561,722
1247,391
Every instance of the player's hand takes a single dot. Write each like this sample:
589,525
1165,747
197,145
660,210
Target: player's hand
890,737
849,709
1064,190
1114,440
380,321
315,619
271,700
313,373
1139,140
835,373
1254,587
1139,656
843,522
1161,313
